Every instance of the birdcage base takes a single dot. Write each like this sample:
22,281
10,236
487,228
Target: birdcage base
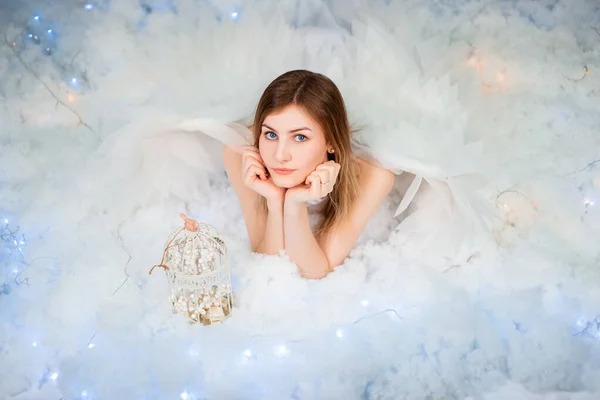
205,315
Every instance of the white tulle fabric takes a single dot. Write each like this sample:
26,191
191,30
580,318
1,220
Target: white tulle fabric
173,153
409,120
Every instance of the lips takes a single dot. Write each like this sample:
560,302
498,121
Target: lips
283,171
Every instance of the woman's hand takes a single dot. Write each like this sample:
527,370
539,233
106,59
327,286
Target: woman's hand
256,176
318,184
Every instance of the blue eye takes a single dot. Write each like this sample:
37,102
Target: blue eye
301,138
270,135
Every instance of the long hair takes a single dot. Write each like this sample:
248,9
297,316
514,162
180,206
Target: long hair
322,100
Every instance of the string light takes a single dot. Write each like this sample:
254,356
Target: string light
590,329
281,351
54,376
588,202
88,7
234,15
10,239
475,62
339,333
585,74
184,395
193,353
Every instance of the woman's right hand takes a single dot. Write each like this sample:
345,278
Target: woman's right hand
256,176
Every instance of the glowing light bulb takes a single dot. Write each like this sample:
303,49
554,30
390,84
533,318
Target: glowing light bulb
364,303
84,393
49,30
6,221
37,18
54,376
91,346
476,63
247,353
34,344
74,81
281,351
184,396
339,333
588,202
88,7
234,15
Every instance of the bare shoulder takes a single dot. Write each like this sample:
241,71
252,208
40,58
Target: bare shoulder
231,155
370,176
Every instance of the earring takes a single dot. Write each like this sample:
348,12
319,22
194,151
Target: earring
331,151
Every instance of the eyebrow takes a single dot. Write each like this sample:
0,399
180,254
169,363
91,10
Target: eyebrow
292,131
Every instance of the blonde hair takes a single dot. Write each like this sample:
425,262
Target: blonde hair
322,100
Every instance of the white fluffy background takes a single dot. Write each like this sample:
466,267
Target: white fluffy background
513,314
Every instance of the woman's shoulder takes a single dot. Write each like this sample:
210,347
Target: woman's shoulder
368,172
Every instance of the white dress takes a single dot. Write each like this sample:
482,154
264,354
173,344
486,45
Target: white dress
174,154
410,121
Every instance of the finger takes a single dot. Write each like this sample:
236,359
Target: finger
184,217
255,162
254,171
259,169
330,167
324,176
250,148
315,188
333,168
253,153
310,178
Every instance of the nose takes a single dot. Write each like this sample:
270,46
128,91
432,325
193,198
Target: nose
282,155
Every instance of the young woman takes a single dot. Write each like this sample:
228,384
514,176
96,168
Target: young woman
304,186
300,185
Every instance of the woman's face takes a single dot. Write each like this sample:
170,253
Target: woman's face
291,145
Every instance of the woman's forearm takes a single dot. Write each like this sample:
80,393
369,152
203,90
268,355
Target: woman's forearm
272,242
300,243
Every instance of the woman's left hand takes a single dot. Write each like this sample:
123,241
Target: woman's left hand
318,184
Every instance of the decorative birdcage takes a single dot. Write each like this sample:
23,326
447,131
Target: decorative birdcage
196,262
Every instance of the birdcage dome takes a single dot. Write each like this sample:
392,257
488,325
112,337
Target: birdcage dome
196,263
